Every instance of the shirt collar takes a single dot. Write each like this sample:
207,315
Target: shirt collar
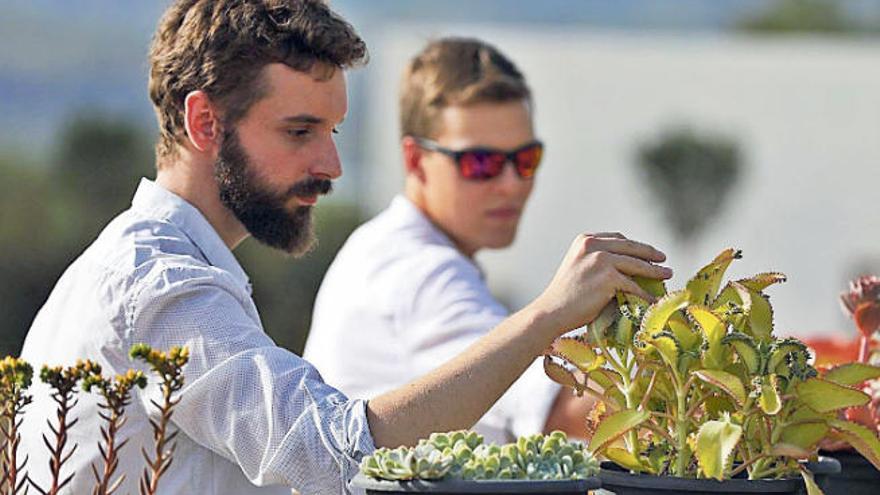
162,204
402,205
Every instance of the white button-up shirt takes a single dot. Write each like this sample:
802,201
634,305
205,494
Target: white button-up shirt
400,300
253,419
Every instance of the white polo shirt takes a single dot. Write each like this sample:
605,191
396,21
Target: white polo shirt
400,300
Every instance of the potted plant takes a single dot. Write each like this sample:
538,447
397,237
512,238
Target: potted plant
459,462
698,396
858,476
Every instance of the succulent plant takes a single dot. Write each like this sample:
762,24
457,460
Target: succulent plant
463,455
15,378
697,385
63,382
116,395
169,366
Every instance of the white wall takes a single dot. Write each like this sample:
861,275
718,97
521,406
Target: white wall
806,111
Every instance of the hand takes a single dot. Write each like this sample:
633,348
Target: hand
594,269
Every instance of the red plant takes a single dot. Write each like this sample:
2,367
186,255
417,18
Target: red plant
862,304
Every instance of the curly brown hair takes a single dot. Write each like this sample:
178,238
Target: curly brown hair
455,71
221,47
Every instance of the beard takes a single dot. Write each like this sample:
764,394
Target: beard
262,211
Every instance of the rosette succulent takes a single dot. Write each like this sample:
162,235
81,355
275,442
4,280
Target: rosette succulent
697,385
463,455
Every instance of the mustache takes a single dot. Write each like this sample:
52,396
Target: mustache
310,187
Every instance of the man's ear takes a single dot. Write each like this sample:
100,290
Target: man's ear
202,121
412,158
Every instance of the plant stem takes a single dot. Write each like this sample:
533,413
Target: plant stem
63,398
111,455
632,438
681,431
745,465
12,438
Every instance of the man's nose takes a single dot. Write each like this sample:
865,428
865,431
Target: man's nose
328,165
509,182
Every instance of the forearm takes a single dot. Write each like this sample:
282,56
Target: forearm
458,393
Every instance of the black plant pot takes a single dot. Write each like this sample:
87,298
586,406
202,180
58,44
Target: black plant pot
443,487
857,476
618,480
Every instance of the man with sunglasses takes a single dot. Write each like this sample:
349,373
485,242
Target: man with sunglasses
405,294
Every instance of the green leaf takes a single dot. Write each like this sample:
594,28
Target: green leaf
824,396
624,332
624,458
667,346
633,303
851,374
562,376
810,483
714,331
761,281
606,318
733,292
689,339
760,317
746,349
607,379
704,286
716,405
783,449
614,426
653,286
730,384
577,352
805,428
862,439
660,312
781,349
715,443
769,400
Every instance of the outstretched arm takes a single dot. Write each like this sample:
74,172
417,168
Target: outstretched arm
459,392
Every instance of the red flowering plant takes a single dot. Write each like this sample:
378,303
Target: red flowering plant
862,303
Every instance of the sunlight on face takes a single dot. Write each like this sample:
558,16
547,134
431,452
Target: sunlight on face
281,156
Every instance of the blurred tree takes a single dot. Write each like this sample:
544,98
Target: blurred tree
791,16
26,265
98,163
691,176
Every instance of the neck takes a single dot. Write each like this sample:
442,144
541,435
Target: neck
193,181
418,199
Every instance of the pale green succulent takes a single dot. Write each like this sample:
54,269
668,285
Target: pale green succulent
463,455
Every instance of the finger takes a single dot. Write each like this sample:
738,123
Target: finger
626,284
626,247
613,235
634,266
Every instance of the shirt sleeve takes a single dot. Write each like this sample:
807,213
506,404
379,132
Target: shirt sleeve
452,308
250,401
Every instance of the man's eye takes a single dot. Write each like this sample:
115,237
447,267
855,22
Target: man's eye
335,130
298,132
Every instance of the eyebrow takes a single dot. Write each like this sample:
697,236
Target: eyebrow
305,118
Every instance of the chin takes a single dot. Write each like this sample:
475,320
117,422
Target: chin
500,242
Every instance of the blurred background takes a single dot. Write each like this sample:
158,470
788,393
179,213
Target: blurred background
692,124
